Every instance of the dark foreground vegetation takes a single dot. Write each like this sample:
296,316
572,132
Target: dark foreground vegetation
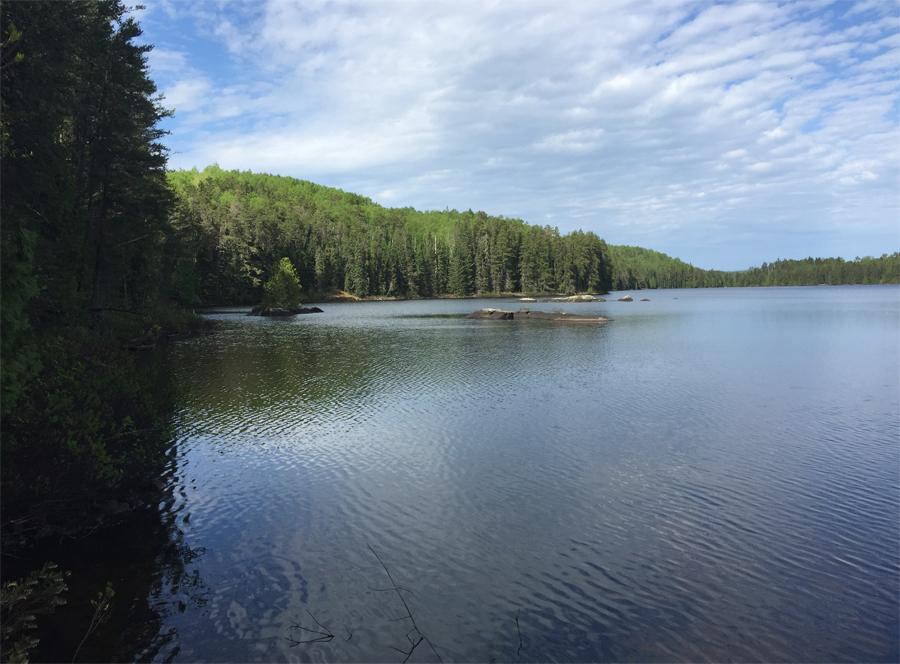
85,276
103,252
85,267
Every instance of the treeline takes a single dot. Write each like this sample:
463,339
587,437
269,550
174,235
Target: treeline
233,227
635,268
815,271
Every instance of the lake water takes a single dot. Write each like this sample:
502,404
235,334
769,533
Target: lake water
712,476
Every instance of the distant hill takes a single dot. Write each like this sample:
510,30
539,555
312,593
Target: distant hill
233,227
637,268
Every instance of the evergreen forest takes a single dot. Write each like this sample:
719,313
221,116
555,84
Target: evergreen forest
233,227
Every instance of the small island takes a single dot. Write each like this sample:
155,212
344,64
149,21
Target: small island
502,314
279,311
282,296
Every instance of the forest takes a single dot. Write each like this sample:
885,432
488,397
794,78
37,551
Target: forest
85,229
635,268
85,236
232,228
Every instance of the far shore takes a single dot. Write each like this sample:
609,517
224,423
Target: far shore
331,298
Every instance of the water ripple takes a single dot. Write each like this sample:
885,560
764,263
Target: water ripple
681,484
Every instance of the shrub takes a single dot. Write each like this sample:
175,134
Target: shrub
93,424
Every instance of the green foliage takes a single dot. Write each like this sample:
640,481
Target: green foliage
92,424
83,166
236,224
20,604
239,223
283,289
636,268
815,271
18,351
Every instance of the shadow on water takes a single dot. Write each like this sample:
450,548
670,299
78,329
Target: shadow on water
149,566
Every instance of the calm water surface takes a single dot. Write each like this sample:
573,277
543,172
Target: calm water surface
713,476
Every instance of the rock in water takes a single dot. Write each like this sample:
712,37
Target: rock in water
627,298
500,314
575,298
276,311
491,314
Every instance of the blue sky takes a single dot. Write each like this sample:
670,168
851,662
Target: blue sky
726,134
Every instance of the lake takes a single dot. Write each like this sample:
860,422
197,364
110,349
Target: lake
711,476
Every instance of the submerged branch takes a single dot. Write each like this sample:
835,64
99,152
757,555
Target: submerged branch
409,615
324,637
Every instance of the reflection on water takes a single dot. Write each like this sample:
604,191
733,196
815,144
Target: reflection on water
711,476
152,574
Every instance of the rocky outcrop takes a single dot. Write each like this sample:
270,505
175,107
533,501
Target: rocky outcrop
276,311
501,314
491,314
576,298
627,298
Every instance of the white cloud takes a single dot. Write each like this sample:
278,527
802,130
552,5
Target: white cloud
187,94
161,60
579,140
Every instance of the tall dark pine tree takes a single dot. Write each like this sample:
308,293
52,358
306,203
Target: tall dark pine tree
83,167
84,218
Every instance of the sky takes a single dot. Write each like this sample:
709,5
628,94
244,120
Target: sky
725,134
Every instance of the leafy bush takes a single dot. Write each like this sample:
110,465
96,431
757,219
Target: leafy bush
92,425
21,602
